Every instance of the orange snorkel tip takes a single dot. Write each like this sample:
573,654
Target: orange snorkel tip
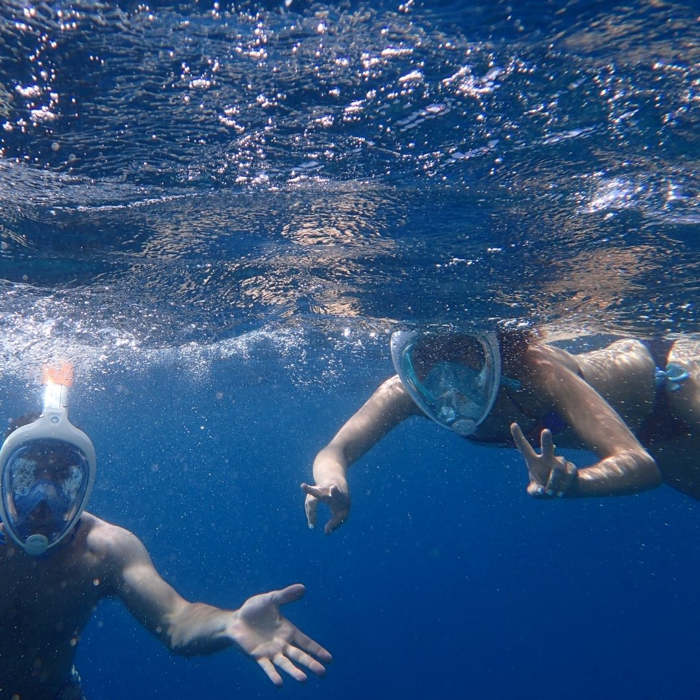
57,374
57,379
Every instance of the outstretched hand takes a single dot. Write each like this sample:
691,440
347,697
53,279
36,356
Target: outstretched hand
272,640
549,475
335,496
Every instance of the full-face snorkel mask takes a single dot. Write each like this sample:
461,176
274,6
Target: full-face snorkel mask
453,377
47,470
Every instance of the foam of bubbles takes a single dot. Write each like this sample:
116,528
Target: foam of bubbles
28,343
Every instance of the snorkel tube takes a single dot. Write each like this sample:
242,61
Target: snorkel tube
51,432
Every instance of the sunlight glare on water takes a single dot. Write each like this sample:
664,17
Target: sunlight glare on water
185,173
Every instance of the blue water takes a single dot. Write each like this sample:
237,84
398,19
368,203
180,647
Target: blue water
219,212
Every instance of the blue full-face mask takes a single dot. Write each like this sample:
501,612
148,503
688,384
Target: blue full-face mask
453,378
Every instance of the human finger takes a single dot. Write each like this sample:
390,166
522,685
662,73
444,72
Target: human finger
536,490
315,491
547,443
334,523
310,508
303,658
309,645
560,478
288,594
311,489
271,672
521,442
281,661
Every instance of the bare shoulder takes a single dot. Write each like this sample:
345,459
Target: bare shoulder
112,544
392,387
542,355
392,396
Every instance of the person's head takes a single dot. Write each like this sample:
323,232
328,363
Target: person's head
454,376
513,340
47,469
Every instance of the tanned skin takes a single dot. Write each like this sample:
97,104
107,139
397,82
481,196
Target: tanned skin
47,601
604,397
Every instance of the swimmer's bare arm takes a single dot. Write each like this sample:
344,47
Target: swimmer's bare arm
388,406
624,466
257,627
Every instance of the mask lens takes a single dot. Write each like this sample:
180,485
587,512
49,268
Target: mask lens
461,350
454,378
43,487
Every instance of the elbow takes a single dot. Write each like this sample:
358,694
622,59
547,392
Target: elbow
649,472
641,469
539,360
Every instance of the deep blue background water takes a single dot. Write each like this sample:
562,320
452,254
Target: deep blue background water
219,213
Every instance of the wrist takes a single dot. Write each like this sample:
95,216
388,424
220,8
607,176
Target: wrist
562,483
571,490
565,484
234,628
328,474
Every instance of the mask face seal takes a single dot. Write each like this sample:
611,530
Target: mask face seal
47,470
454,378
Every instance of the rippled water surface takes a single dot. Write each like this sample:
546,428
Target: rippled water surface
217,211
179,172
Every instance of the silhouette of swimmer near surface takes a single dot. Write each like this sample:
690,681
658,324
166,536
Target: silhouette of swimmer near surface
634,404
57,561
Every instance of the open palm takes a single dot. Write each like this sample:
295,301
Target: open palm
272,640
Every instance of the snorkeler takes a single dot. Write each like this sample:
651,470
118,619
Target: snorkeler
58,562
635,405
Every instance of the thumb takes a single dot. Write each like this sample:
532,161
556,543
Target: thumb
312,490
288,594
310,508
334,523
535,490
